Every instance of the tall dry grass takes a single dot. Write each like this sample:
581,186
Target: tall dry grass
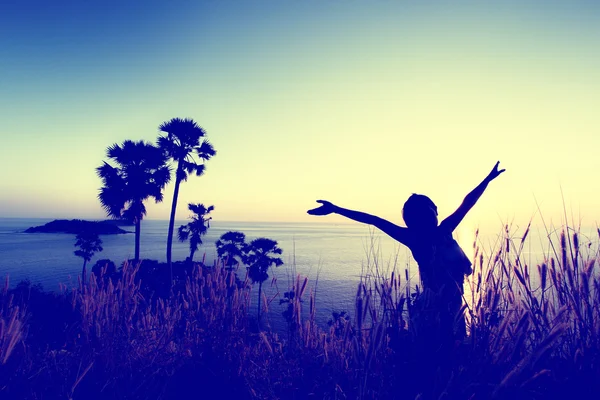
12,323
533,331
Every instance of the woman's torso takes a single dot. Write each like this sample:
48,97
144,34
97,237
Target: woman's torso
441,260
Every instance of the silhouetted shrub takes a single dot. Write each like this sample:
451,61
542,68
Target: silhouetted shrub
110,269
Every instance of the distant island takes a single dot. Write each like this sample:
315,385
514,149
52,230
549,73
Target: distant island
76,226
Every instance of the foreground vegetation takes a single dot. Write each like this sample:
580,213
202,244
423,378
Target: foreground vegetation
534,333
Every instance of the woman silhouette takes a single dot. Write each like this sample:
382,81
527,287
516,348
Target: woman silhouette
442,263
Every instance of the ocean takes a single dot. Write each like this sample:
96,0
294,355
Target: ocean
336,254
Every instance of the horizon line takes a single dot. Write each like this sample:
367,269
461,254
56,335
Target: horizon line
167,220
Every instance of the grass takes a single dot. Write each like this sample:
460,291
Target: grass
534,333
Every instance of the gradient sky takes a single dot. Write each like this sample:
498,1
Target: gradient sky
358,102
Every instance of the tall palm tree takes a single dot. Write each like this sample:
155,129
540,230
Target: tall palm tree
197,228
262,253
89,243
141,172
184,145
231,247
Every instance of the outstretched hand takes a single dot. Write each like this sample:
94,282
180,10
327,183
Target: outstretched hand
325,209
494,173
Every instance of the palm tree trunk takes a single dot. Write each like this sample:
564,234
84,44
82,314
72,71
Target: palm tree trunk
172,220
137,239
192,255
83,271
259,299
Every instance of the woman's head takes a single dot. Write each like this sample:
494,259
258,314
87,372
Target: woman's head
420,212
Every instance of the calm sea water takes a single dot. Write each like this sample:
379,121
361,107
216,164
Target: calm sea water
335,253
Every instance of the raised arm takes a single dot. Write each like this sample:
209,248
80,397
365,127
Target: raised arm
453,220
397,232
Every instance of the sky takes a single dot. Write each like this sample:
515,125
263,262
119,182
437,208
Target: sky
357,102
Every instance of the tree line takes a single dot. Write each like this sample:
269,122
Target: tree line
137,171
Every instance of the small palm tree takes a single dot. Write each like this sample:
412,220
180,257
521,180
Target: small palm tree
197,228
141,172
89,243
232,248
262,253
184,145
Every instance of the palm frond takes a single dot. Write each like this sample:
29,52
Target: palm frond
181,174
191,167
183,233
137,209
206,150
259,258
112,200
232,246
89,243
183,139
114,151
200,210
197,227
200,170
140,172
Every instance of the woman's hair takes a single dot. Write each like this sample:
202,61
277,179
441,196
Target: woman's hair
415,208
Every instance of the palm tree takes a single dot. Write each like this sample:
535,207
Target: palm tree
88,243
262,253
232,248
197,228
184,145
140,172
